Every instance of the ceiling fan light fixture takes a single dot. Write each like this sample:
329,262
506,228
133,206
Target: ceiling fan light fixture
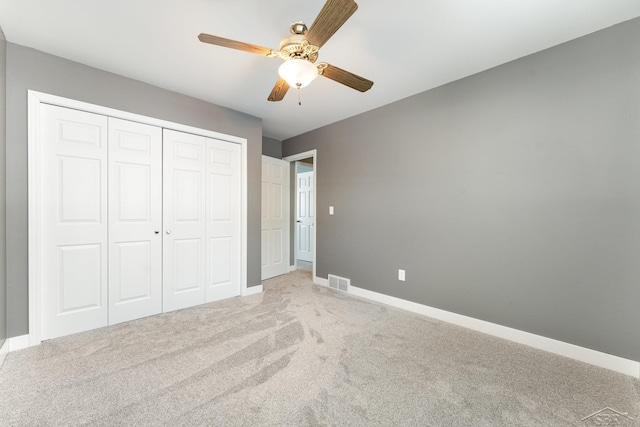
298,73
299,51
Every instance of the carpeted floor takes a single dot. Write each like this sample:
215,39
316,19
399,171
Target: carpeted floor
304,265
301,355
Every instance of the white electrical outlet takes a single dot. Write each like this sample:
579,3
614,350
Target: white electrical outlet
401,275
330,210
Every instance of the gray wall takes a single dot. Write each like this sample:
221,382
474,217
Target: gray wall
31,69
511,196
3,205
271,147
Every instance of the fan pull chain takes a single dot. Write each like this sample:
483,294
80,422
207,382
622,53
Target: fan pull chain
299,102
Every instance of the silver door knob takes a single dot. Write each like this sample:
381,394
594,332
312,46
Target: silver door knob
168,231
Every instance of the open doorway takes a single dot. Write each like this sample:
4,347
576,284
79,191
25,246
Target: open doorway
303,246
304,168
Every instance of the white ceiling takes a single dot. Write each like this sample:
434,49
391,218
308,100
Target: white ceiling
404,46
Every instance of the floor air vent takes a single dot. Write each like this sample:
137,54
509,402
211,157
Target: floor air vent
339,283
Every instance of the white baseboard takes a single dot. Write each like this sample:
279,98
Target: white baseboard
587,355
252,291
320,281
292,268
18,343
13,344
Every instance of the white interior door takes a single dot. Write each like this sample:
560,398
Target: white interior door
74,227
223,220
135,220
275,217
184,190
304,217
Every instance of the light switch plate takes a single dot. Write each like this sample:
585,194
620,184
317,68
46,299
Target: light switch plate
330,210
401,275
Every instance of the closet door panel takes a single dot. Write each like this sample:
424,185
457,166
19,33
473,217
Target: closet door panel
135,220
223,219
74,228
184,172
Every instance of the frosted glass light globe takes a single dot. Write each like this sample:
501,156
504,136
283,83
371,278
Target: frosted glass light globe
298,73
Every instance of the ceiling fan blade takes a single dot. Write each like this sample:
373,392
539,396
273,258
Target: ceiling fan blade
334,13
234,44
279,90
346,78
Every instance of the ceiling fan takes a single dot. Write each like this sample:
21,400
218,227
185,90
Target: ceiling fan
300,51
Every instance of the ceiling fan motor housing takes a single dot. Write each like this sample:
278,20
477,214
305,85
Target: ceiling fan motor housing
296,46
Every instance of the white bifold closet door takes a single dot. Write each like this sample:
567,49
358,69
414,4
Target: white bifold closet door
75,222
102,194
135,220
223,220
184,165
201,220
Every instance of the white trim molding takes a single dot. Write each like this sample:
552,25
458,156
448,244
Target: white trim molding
321,281
292,268
582,354
19,343
252,290
35,100
14,344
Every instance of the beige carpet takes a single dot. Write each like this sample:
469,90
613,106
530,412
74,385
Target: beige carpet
304,265
301,355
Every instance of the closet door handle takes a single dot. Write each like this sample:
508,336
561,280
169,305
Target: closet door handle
156,232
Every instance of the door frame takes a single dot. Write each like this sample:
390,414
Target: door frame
35,211
293,159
